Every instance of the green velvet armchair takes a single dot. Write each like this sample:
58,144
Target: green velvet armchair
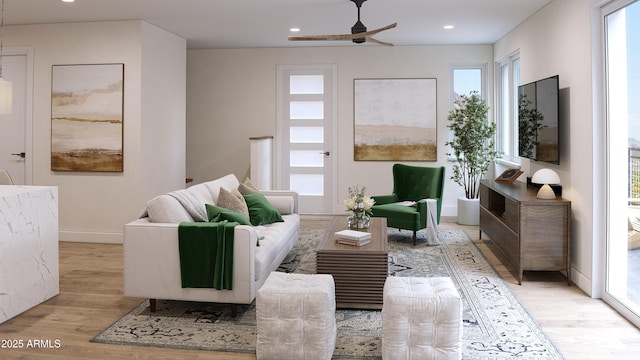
410,183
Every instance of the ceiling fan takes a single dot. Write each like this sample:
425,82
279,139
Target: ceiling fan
359,33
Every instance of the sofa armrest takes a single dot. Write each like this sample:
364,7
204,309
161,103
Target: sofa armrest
152,264
284,200
385,199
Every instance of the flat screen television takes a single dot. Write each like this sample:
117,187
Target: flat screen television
538,115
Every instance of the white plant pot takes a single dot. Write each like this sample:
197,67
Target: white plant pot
468,211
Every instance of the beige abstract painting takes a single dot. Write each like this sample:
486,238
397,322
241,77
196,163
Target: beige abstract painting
395,119
87,117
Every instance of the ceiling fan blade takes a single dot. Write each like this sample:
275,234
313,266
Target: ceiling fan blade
375,31
341,36
370,39
320,37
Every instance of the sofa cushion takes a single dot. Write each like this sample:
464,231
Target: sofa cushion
228,182
202,192
261,212
216,213
275,241
233,201
284,204
166,209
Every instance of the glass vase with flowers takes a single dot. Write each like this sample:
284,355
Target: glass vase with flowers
359,205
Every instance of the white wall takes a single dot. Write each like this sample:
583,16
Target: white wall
231,96
164,107
93,207
557,40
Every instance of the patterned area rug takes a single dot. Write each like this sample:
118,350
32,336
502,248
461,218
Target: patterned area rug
496,326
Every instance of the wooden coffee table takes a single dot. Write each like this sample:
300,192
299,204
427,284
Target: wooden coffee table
359,272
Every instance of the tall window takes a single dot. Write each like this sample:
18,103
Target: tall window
466,79
507,81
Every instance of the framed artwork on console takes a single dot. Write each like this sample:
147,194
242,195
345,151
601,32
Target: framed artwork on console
395,119
509,175
87,117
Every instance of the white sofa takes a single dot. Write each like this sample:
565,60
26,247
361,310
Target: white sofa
151,256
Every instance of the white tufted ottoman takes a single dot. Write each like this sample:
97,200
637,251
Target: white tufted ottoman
421,319
295,316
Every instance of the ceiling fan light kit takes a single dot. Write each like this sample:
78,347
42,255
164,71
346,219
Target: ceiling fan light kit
359,33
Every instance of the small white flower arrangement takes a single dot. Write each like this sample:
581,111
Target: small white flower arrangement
357,201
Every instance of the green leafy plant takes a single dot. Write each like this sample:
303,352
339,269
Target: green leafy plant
473,144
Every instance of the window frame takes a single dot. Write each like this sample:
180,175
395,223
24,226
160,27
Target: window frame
483,84
483,67
507,136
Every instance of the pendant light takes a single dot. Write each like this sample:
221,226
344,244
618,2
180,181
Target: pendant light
6,87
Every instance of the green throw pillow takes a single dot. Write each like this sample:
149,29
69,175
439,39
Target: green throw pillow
216,213
261,212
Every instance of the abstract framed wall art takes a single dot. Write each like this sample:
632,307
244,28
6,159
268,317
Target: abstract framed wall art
87,117
395,119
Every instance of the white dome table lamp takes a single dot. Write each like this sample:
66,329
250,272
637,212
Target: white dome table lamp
546,177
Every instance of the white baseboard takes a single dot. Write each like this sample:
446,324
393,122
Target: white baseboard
578,279
449,211
90,237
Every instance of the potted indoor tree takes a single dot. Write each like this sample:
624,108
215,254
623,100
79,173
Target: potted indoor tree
473,147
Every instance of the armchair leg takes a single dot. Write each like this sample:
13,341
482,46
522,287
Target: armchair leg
414,238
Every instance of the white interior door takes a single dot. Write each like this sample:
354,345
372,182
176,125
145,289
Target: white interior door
306,116
15,127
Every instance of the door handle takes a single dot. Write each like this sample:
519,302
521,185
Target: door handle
22,155
325,153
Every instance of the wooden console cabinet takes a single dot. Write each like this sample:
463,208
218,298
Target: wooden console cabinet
534,234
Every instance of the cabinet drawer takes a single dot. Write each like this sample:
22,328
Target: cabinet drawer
501,235
511,214
545,231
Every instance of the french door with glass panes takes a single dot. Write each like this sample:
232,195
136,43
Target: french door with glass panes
306,124
622,55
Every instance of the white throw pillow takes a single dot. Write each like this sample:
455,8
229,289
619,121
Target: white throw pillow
166,209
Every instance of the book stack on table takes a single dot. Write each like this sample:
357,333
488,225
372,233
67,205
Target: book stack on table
352,237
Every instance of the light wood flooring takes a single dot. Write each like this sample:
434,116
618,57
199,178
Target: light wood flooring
91,299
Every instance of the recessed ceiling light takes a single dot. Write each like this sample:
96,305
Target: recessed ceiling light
68,0
448,27
294,29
